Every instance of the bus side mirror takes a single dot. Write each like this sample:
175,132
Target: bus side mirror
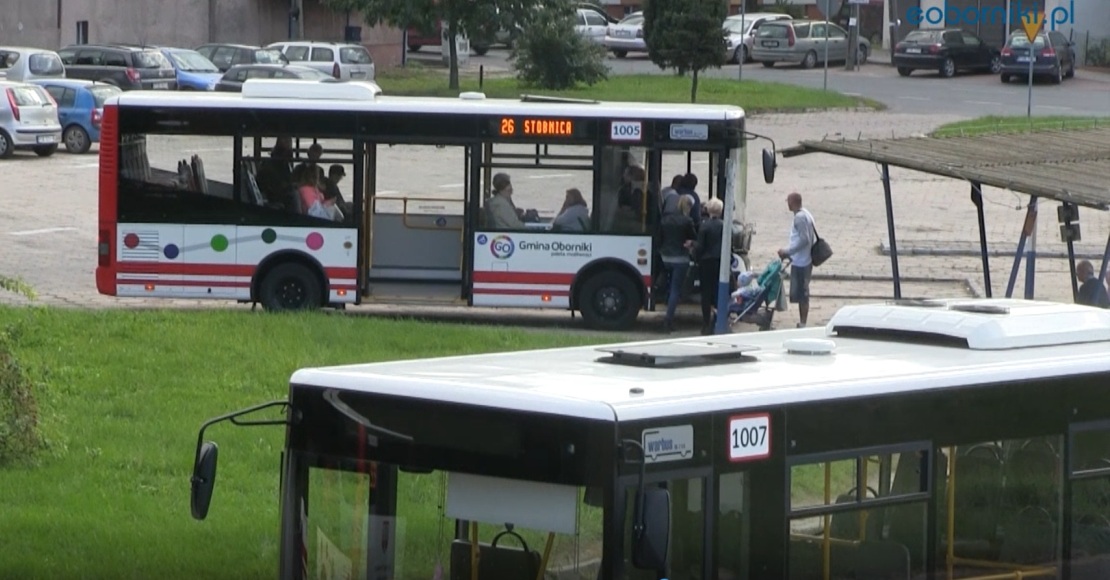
204,479
769,166
652,542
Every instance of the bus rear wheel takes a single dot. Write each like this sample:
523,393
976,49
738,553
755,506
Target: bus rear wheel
290,286
609,301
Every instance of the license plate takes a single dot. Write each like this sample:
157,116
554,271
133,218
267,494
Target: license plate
913,50
770,43
1025,59
161,85
45,138
624,33
357,75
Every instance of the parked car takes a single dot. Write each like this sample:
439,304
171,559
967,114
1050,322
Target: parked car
19,63
416,39
947,51
194,72
597,9
28,120
591,25
80,109
1055,57
741,29
626,36
340,60
234,78
225,56
129,67
804,42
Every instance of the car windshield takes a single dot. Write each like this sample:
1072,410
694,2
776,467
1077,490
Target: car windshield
354,55
1020,40
310,74
101,93
192,61
46,64
269,56
737,26
151,59
634,20
28,96
921,36
772,31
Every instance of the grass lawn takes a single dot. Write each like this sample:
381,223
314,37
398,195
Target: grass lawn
753,96
125,393
1018,124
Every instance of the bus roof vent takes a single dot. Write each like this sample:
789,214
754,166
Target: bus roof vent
679,353
326,89
977,324
472,96
549,99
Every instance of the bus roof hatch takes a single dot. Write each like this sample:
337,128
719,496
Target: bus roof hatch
326,89
679,353
977,324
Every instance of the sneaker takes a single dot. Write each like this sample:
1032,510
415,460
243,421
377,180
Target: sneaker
801,325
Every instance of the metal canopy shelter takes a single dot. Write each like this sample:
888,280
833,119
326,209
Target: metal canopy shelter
1068,166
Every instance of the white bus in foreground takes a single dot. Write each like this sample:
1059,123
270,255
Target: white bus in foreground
201,197
933,439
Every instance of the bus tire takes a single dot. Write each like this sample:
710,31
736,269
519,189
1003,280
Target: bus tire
609,301
290,286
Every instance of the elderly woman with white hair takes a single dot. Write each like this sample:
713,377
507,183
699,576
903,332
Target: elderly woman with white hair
707,254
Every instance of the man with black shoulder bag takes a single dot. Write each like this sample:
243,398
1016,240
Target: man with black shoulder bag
805,250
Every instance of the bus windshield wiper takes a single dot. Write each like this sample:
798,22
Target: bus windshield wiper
332,397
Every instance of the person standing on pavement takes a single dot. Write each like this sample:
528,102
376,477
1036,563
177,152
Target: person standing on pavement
707,253
803,234
1092,292
678,234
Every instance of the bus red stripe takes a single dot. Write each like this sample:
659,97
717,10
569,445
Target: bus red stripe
521,292
213,269
522,278
210,283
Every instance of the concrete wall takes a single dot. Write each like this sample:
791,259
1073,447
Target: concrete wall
1090,30
183,23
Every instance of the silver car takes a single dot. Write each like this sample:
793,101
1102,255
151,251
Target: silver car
28,120
340,60
804,42
741,29
18,63
626,36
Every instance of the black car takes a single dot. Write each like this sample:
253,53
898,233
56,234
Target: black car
946,51
225,56
1055,57
127,66
233,79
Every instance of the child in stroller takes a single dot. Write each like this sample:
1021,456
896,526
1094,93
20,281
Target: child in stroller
756,298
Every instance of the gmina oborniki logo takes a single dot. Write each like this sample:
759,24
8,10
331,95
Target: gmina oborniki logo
971,15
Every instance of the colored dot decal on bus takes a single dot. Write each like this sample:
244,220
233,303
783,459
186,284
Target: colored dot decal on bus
171,251
269,235
219,242
131,240
347,245
314,241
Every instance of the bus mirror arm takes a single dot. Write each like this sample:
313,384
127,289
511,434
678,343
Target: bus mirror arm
203,480
769,157
651,524
332,397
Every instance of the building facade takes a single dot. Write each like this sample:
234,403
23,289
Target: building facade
187,24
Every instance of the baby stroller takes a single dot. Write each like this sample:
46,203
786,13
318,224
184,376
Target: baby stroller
756,304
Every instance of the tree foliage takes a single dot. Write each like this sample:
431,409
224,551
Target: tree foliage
474,18
552,55
686,35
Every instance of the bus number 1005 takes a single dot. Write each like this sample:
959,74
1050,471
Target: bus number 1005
748,437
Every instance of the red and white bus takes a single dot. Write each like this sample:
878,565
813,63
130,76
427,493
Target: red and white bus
194,202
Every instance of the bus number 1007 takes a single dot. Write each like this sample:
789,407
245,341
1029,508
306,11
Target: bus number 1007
749,437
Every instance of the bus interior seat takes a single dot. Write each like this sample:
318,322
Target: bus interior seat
978,487
252,193
846,525
1092,534
1031,473
882,560
1029,537
495,562
905,524
1096,568
806,560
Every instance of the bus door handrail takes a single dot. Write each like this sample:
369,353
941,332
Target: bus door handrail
405,211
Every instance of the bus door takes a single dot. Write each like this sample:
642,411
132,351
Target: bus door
414,223
1087,489
692,519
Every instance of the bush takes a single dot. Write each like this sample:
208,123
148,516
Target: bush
550,54
20,433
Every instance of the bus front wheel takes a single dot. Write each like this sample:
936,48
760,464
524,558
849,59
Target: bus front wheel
609,301
290,286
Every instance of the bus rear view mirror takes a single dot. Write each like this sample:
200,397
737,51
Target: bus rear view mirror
204,479
769,166
652,542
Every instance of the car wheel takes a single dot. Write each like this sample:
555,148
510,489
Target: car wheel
620,53
904,71
948,68
861,57
768,63
996,64
6,148
1005,78
290,286
738,55
609,301
45,150
810,60
414,48
76,139
1058,75
1071,70
480,50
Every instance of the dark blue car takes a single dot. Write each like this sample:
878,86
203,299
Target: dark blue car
194,71
80,109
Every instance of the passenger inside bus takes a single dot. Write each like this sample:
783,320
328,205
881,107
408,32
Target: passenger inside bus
331,189
312,201
500,212
275,178
574,215
315,151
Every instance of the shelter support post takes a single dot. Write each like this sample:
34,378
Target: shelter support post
1070,238
1026,232
1031,249
1105,260
890,233
977,199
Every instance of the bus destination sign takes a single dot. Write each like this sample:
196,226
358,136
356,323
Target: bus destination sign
532,127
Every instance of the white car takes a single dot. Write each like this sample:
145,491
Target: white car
591,24
626,36
18,63
342,60
28,120
741,30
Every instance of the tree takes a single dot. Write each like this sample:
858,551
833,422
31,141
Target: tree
686,35
552,55
474,18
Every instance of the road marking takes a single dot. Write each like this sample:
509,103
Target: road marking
853,94
551,176
86,165
1054,107
450,185
992,103
386,192
42,231
915,98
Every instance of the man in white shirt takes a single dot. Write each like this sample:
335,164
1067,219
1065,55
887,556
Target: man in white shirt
803,234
